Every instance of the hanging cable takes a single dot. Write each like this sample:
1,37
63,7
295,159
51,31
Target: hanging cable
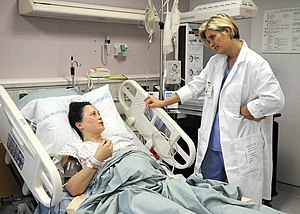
74,70
90,82
105,51
173,147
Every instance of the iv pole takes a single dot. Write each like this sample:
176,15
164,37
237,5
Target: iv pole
163,57
161,27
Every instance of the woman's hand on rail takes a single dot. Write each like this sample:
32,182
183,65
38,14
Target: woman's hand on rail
152,101
104,151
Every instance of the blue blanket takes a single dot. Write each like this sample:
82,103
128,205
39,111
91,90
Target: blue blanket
134,182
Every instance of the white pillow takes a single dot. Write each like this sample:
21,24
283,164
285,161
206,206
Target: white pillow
51,118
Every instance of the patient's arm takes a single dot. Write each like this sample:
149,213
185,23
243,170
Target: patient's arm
81,180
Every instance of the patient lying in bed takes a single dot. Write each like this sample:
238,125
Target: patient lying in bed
93,151
120,178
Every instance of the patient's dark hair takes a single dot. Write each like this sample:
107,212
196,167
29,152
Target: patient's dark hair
76,114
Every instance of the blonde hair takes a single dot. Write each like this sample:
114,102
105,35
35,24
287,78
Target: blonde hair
218,23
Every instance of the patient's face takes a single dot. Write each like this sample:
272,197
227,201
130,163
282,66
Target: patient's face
92,122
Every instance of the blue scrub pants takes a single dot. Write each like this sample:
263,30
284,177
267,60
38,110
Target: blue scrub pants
212,166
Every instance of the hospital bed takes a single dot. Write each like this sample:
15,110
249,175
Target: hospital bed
27,143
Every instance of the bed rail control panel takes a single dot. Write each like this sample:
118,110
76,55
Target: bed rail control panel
27,153
15,151
160,131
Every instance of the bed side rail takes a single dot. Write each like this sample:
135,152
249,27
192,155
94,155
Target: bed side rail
158,129
27,154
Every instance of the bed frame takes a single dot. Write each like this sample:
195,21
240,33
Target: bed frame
25,151
40,175
158,129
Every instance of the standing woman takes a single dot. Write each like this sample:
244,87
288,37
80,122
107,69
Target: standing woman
241,94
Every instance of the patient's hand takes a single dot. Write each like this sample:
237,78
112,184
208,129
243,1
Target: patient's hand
104,151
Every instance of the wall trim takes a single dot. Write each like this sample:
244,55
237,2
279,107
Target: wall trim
66,81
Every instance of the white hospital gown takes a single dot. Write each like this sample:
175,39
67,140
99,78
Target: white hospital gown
84,150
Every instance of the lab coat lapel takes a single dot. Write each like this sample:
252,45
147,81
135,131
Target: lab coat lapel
220,67
241,58
231,74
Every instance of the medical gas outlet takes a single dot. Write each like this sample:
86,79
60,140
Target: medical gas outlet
120,50
173,69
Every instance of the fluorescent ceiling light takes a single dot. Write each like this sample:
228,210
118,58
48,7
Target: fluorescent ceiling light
79,11
237,9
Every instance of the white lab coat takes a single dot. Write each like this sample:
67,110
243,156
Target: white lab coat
246,144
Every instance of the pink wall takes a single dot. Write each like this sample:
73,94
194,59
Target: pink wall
33,47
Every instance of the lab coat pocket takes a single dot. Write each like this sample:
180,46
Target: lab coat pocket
249,151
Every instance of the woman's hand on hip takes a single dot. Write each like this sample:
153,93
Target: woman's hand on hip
246,113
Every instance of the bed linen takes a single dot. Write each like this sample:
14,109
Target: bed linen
135,182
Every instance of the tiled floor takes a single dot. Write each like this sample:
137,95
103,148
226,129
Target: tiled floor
288,199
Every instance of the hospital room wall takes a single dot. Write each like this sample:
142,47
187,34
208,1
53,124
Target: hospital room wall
34,47
286,69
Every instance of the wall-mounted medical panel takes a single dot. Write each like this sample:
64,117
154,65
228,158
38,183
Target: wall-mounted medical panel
190,51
